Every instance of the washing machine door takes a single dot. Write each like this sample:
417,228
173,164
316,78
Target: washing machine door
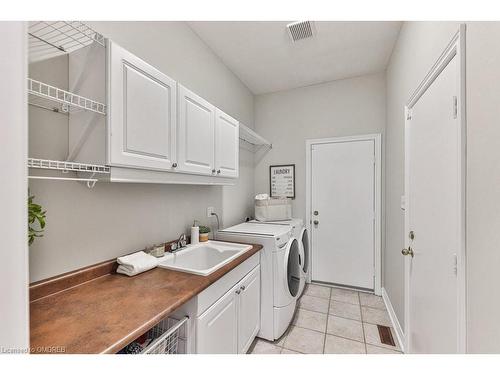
304,253
287,273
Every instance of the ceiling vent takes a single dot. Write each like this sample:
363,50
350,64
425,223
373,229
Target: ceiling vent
300,30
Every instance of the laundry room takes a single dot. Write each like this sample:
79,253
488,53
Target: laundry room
249,187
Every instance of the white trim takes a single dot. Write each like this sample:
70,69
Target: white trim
14,278
377,138
394,320
455,48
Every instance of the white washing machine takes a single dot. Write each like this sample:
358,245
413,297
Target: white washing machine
280,273
299,231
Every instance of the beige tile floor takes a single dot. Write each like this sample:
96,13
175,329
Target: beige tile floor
333,321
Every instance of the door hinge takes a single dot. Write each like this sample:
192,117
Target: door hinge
455,107
455,264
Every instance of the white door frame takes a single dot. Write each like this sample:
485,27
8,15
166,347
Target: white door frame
456,48
14,252
377,138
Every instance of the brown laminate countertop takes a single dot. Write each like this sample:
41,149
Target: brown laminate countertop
107,313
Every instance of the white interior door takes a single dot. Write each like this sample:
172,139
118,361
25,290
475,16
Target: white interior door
433,196
343,212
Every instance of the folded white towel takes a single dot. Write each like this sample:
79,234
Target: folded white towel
262,196
136,263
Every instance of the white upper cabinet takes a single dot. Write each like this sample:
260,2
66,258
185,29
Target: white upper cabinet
156,125
142,113
195,133
226,145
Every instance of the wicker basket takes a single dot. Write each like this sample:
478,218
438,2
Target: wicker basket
273,209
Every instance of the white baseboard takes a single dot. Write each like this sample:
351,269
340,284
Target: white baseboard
394,320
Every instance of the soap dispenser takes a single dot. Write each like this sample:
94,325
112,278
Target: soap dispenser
195,233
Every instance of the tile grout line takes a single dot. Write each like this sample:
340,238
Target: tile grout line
327,315
362,323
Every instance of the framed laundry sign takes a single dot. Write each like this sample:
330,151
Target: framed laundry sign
282,180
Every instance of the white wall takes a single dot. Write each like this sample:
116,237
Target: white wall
418,47
483,186
87,226
14,322
339,108
237,200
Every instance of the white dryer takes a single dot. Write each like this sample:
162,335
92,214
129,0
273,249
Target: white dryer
299,231
280,272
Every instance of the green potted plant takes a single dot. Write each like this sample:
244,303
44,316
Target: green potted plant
204,231
36,220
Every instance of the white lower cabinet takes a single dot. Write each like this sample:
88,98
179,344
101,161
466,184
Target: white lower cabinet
231,323
249,310
217,327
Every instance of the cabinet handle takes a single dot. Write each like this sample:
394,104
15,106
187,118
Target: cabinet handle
238,291
213,170
218,171
174,165
243,287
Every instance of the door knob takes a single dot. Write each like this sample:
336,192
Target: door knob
213,170
316,222
243,287
408,251
174,165
315,213
238,291
218,171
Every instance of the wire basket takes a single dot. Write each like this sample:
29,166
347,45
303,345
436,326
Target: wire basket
168,337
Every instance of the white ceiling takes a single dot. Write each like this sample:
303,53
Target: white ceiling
262,55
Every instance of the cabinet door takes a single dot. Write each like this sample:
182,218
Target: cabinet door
249,309
216,328
195,133
142,113
227,145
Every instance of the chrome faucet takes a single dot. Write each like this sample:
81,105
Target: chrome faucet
181,243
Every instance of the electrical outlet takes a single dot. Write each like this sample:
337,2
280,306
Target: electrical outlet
210,211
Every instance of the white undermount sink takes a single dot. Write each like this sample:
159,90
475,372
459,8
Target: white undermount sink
203,258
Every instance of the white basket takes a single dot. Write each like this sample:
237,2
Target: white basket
168,337
273,209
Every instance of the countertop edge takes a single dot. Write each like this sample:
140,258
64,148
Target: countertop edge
200,284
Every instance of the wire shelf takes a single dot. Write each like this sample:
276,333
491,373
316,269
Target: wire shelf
66,166
44,95
251,137
52,38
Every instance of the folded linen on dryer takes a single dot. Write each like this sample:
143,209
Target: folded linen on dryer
262,196
136,263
